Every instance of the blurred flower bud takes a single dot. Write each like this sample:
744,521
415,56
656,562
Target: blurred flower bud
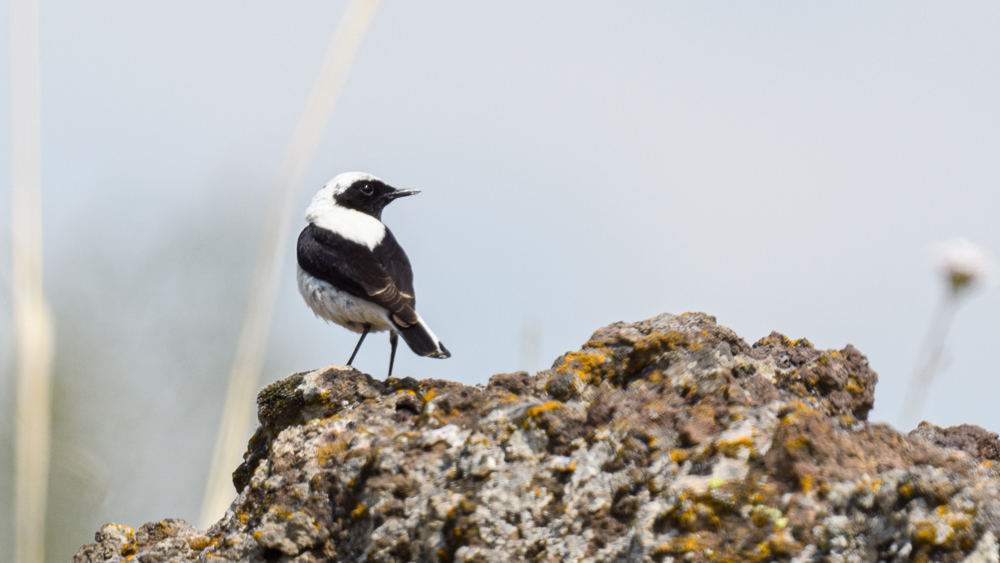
964,264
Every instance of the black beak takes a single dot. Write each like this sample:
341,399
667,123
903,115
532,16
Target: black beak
399,193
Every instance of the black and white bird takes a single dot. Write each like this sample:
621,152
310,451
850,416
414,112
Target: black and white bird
353,272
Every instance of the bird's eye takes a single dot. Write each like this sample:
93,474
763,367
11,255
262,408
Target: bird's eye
367,189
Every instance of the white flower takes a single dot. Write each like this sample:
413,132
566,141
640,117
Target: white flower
964,264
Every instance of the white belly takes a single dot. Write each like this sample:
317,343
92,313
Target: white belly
341,307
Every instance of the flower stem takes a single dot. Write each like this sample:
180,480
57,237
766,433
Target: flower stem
930,360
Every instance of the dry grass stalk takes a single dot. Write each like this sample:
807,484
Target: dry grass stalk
245,375
32,320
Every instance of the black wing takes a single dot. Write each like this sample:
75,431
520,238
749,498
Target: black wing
397,265
385,280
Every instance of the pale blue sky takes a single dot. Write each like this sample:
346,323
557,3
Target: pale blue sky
783,166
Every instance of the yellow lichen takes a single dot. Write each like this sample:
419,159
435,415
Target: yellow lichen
763,515
536,410
806,483
329,452
129,548
681,545
282,513
651,346
761,552
940,530
854,385
798,409
200,543
360,511
693,514
906,491
798,444
571,467
592,365
679,455
923,532
783,544
732,447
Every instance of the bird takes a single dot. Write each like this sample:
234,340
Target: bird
351,270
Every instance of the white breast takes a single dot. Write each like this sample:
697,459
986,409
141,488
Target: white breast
341,307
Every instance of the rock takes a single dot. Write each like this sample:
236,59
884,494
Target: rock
973,440
665,440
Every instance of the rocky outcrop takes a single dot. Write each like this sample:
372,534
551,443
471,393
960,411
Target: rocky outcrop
670,439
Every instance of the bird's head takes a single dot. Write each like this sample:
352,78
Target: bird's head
360,192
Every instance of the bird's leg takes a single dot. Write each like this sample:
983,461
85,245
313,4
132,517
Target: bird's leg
393,340
358,347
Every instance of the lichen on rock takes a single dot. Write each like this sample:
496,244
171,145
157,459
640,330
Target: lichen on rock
669,439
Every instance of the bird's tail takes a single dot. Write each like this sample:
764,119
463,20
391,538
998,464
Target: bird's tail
422,340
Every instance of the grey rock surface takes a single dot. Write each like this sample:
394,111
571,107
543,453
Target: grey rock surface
665,440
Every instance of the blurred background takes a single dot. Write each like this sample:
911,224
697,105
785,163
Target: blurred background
783,166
